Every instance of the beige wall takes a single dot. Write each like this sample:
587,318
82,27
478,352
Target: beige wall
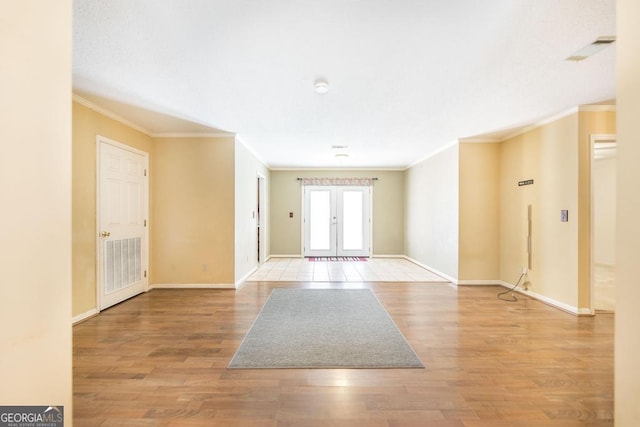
35,189
193,219
548,155
87,125
286,196
247,170
627,345
479,251
192,231
431,212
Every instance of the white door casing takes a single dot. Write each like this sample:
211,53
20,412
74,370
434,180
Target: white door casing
122,209
605,145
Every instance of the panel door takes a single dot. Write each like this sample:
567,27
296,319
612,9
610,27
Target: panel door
122,212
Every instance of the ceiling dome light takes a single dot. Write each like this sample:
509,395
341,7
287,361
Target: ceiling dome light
321,86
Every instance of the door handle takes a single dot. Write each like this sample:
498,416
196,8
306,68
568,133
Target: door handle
105,234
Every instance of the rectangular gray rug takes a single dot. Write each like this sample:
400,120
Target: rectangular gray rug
324,328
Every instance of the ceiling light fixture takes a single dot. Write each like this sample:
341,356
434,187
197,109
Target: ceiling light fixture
590,49
321,86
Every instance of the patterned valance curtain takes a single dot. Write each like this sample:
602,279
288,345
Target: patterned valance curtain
338,181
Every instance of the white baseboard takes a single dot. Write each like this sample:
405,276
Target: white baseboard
388,256
550,301
453,280
240,282
192,286
285,256
479,282
84,316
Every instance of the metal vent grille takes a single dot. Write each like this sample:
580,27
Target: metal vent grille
604,40
123,264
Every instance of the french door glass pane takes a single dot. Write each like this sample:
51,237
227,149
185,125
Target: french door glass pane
352,220
320,220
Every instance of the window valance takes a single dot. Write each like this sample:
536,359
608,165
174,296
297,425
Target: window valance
338,181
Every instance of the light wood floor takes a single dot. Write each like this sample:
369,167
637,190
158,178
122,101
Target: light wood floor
160,360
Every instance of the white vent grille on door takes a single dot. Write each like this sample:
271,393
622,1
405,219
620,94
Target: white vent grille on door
123,264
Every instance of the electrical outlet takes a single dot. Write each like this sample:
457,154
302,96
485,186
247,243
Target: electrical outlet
204,267
524,270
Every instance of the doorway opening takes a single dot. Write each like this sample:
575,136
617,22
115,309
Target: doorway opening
603,223
260,220
337,221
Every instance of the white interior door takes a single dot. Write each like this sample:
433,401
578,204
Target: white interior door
122,212
337,221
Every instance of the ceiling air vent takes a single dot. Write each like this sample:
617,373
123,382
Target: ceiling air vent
590,49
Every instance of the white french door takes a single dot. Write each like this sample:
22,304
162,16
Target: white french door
337,220
122,212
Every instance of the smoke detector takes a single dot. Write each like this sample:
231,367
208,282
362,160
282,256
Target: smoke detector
321,87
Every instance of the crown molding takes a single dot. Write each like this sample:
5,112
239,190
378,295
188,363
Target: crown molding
192,135
529,128
480,140
433,153
108,113
606,107
252,151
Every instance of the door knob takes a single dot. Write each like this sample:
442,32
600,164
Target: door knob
105,234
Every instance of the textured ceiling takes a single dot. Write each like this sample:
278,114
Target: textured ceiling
405,77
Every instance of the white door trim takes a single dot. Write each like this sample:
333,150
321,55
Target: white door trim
99,247
594,139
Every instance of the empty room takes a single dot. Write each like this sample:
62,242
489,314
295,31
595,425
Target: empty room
320,213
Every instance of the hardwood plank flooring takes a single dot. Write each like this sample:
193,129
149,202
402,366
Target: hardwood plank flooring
160,359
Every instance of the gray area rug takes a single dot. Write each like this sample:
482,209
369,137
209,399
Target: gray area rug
324,328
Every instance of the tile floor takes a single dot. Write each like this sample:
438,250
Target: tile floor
371,270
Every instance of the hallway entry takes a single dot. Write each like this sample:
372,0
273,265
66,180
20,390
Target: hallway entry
603,218
337,220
